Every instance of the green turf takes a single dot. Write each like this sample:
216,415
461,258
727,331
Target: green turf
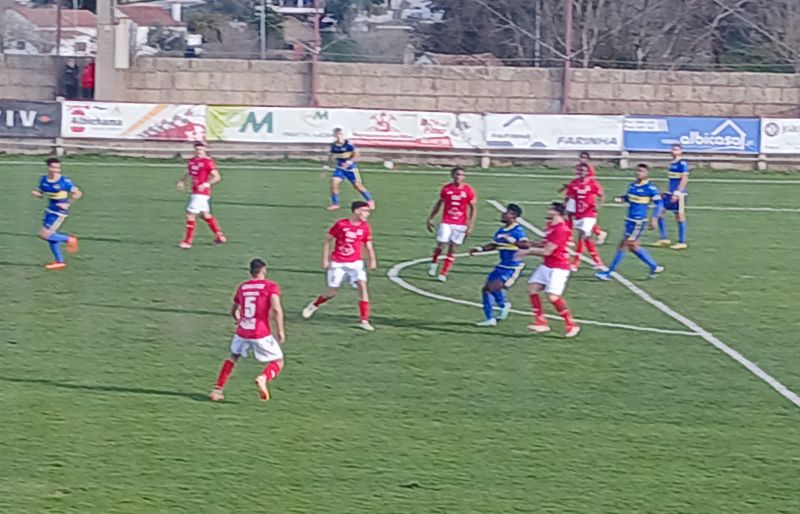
106,365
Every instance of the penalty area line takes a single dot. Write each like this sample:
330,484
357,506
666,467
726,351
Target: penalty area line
691,325
394,276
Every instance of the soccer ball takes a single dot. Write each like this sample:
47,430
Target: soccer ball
389,165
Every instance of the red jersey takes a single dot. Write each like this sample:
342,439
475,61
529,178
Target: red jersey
456,199
591,170
560,235
253,298
200,169
350,237
585,195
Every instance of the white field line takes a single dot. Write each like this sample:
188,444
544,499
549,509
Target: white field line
691,325
693,207
442,172
394,276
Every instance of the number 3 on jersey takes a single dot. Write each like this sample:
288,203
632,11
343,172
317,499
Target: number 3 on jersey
248,319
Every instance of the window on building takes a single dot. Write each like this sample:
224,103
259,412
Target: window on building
20,45
80,47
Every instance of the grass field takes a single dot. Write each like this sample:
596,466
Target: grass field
106,365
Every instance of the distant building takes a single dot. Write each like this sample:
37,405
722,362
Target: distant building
147,17
33,32
486,59
302,7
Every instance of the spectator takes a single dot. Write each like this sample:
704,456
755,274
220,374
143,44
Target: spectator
70,79
87,80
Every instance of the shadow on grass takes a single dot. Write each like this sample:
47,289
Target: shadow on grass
198,397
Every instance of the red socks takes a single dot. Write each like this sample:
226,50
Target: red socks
448,263
320,300
536,303
212,224
436,253
596,230
363,308
562,310
225,372
576,259
593,252
569,222
272,370
190,226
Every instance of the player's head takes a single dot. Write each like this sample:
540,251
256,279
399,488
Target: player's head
556,212
512,212
584,157
360,210
642,171
258,268
582,170
53,165
458,174
200,149
677,151
338,134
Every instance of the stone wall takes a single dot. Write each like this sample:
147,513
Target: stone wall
27,77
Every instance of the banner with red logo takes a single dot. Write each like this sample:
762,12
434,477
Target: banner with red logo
160,122
19,118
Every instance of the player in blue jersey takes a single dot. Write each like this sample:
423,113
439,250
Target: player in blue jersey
346,155
59,191
508,240
641,193
675,200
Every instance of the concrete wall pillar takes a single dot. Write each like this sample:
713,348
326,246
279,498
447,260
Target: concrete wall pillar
109,81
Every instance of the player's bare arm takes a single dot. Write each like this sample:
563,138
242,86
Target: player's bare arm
434,212
681,187
235,314
37,194
354,158
542,249
489,247
77,194
373,260
473,215
214,179
276,314
181,185
326,252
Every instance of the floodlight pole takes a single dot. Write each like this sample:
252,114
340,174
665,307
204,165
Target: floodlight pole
263,27
567,78
313,101
59,81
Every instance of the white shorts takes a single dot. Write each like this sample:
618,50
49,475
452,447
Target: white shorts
571,205
585,225
449,233
198,204
266,349
554,280
354,271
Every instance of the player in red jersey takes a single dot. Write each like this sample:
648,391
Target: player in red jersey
552,275
203,174
346,237
583,160
256,309
584,193
458,217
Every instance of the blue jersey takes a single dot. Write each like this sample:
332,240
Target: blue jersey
57,193
677,169
343,153
639,197
506,239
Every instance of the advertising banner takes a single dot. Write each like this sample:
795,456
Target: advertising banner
709,135
554,132
406,129
780,135
29,119
162,122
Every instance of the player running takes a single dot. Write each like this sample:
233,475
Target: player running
346,155
257,310
346,237
552,275
675,200
508,240
584,159
458,218
584,193
59,192
640,194
202,170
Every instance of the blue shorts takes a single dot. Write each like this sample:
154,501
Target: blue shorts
678,207
634,229
351,175
508,276
53,221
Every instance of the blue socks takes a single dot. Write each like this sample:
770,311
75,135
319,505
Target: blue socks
55,241
367,196
617,259
499,298
642,254
681,231
335,199
487,305
662,229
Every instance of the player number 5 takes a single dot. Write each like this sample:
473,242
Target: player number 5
248,321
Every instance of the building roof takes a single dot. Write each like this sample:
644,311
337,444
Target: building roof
485,59
45,17
149,16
